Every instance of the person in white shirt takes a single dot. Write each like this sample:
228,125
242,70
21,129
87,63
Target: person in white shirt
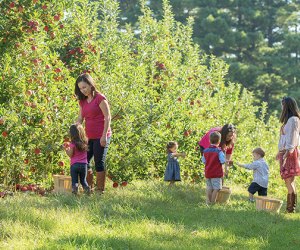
288,149
260,174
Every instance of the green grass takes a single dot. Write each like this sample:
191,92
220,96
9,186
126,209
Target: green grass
144,215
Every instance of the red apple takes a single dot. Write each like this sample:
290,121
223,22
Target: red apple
52,35
18,186
44,7
61,26
35,61
46,28
48,66
179,99
192,103
21,8
186,133
56,17
57,70
24,188
115,184
33,47
29,92
124,183
42,192
61,163
33,105
37,151
28,104
12,5
26,161
4,133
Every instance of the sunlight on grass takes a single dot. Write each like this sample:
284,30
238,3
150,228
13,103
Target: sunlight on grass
144,215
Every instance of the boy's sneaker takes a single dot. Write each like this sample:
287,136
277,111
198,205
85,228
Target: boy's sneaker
251,200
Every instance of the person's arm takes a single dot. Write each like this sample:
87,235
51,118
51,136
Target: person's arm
228,157
251,166
222,160
229,153
292,135
69,150
79,119
179,155
106,112
203,159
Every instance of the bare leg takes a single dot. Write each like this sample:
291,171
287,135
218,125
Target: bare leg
214,195
172,183
290,185
208,195
251,197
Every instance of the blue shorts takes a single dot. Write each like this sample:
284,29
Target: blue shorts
214,183
254,187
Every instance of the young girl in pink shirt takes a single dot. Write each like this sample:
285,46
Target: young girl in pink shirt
77,150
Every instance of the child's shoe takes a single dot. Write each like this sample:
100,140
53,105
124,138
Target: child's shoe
75,189
251,200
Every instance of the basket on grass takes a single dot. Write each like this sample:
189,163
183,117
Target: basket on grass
268,204
62,184
223,195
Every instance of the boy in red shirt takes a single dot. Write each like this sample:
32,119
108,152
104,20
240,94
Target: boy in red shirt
214,160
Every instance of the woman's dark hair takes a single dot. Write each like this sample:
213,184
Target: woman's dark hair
87,79
170,145
78,137
289,109
227,128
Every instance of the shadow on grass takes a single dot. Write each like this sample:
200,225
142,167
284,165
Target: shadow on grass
181,206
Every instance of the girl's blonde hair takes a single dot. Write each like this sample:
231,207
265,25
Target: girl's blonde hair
170,145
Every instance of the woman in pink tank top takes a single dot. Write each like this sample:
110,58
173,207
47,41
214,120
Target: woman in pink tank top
95,112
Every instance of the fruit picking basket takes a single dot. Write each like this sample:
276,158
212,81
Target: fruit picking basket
268,204
62,183
223,195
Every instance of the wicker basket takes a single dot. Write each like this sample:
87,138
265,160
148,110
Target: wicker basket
268,204
62,184
223,195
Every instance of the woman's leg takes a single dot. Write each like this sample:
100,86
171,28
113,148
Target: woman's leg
99,158
90,175
290,184
290,203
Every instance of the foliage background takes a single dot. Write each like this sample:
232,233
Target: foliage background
258,39
159,83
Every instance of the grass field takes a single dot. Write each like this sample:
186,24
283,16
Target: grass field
144,215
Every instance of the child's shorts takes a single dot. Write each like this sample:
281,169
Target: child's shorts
214,183
254,187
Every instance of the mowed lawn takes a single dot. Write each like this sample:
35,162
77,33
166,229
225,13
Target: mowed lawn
144,215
